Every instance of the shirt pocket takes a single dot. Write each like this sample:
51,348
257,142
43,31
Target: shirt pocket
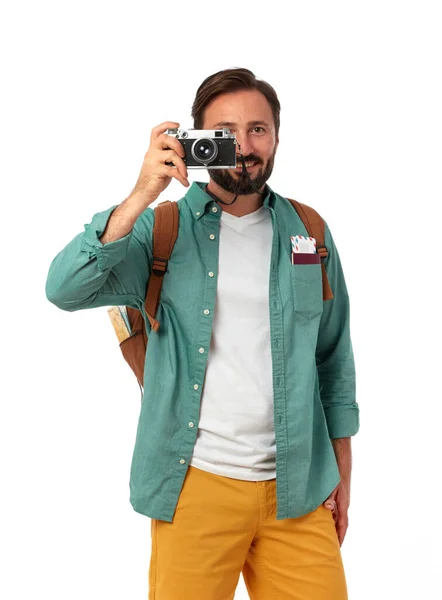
306,280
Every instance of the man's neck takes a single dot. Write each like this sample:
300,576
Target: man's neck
243,205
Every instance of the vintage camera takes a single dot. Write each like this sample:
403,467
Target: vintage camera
207,148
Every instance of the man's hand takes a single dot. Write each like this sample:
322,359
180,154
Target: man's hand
339,499
338,502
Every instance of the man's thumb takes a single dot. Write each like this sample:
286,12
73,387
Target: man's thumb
330,501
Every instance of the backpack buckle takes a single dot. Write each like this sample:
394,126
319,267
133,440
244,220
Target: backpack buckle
324,252
159,266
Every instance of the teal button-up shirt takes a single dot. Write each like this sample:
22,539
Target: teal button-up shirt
311,351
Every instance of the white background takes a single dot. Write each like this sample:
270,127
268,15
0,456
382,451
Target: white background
83,83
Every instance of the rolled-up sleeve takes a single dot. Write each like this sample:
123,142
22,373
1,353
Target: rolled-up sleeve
88,274
334,352
110,254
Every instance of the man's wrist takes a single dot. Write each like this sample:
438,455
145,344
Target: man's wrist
342,448
140,199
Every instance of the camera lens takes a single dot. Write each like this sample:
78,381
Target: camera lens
204,150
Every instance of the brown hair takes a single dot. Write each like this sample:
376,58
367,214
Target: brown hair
232,80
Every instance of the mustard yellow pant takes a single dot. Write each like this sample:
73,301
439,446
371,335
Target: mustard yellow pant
224,526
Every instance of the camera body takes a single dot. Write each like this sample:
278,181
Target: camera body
206,148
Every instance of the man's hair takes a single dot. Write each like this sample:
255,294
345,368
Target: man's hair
227,81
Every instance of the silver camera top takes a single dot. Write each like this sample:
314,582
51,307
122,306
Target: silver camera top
223,133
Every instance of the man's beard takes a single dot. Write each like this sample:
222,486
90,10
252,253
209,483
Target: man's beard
240,183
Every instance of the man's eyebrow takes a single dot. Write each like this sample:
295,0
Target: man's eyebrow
250,123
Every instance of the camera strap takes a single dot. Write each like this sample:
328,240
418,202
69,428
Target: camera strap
219,199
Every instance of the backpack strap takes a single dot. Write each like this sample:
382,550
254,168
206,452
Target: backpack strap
315,226
165,233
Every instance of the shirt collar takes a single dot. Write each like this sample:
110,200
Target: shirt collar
198,199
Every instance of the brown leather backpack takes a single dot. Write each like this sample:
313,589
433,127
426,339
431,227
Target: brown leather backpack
165,233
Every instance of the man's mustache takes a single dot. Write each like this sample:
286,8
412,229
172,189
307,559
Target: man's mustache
248,159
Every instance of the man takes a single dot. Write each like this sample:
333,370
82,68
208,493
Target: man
243,440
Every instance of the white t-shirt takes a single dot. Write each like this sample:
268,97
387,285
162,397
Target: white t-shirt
236,436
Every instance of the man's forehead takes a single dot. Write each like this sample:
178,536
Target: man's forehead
230,110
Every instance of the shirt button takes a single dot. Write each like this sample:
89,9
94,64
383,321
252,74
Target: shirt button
196,386
198,214
212,236
201,350
215,209
191,424
206,311
182,461
211,274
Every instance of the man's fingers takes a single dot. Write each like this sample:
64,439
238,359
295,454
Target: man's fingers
172,157
159,129
341,534
341,528
165,141
174,172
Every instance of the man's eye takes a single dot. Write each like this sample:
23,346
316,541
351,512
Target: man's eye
258,127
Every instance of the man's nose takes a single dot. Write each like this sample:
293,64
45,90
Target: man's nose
244,146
